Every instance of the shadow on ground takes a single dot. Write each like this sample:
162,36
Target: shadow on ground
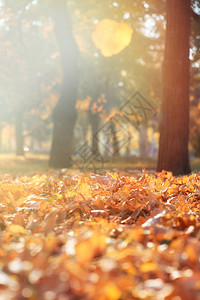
23,165
31,164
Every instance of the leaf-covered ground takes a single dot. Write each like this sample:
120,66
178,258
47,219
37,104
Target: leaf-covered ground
69,235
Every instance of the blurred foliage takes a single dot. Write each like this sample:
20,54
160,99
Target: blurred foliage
30,61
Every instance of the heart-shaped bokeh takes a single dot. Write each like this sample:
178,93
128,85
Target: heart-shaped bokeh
111,37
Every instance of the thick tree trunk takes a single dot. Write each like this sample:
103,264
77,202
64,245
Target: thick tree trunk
64,115
174,129
19,133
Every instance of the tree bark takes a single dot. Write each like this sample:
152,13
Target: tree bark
64,115
143,139
115,142
94,120
174,129
19,133
1,130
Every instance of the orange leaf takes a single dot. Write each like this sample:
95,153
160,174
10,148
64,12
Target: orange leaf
111,292
90,248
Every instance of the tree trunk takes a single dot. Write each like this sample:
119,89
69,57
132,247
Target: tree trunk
143,139
1,130
64,115
174,129
196,147
94,120
19,133
115,142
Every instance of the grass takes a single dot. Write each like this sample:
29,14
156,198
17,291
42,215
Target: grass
37,163
23,165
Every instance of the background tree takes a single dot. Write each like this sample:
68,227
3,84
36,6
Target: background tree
195,81
117,76
27,60
64,114
30,49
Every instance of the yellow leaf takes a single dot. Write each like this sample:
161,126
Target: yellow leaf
148,267
111,37
111,292
83,252
90,248
16,229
